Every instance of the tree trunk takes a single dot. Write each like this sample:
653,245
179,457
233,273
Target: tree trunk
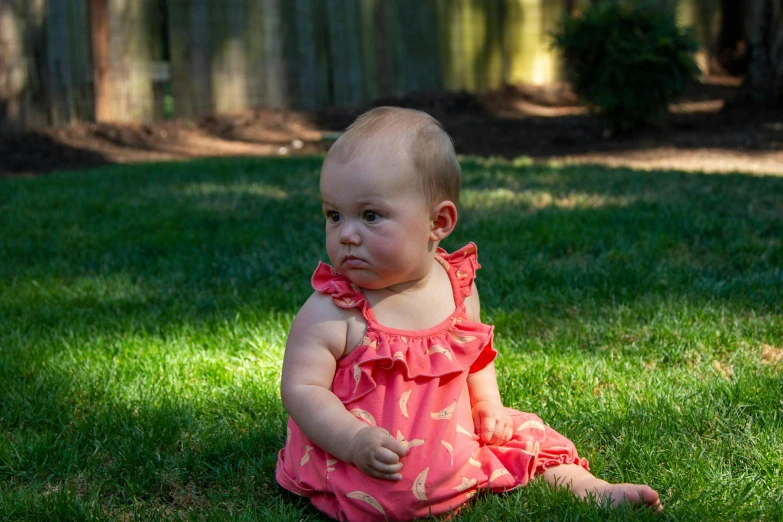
763,84
99,37
13,74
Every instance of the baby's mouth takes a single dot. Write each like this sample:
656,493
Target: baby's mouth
353,262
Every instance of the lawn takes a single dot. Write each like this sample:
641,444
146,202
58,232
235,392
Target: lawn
144,310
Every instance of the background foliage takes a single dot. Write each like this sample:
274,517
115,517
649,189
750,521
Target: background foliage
627,58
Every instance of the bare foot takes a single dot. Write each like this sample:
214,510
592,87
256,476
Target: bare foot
585,485
636,494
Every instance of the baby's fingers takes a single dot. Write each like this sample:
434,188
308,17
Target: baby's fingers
487,429
391,475
395,446
386,456
503,431
385,471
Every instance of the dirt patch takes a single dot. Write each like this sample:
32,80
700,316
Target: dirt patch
545,123
771,355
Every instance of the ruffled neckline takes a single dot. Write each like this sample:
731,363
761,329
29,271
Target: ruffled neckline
453,346
460,266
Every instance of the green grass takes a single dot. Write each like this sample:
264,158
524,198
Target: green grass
144,309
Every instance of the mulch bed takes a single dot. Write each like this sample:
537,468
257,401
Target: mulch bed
545,123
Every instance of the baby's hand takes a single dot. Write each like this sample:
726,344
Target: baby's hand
493,423
375,452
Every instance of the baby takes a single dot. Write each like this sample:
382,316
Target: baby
388,374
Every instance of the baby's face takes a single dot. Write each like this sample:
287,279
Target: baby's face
377,221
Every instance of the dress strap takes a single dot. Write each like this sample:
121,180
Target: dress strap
462,266
344,293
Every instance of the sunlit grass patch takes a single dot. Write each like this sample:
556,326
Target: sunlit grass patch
144,311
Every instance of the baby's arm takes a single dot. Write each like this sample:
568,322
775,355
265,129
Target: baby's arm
316,341
490,418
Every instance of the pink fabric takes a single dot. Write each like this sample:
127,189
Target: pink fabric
414,384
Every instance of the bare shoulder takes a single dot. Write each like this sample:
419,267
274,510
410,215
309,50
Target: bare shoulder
473,305
322,323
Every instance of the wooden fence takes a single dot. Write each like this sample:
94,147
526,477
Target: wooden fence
194,57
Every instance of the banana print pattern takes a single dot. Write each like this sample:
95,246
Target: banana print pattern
404,403
461,339
450,449
445,413
532,448
330,466
498,473
466,484
357,375
419,489
462,430
364,497
345,302
531,424
408,443
306,457
364,415
439,349
366,341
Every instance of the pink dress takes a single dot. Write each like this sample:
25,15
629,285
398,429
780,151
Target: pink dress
414,384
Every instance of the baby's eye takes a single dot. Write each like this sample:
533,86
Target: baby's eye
333,216
370,216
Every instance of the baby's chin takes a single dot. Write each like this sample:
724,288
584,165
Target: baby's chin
365,283
363,279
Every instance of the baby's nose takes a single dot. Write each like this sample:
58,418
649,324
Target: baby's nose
349,234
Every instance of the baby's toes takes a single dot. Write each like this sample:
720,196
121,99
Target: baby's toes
639,495
643,495
650,497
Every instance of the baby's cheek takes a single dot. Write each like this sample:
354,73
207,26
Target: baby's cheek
384,248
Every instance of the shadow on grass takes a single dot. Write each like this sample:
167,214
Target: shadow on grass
36,152
187,243
165,249
75,447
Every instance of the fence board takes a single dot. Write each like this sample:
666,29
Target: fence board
418,58
312,80
230,55
345,51
274,63
130,60
59,63
81,61
227,44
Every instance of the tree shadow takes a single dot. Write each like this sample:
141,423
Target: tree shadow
203,248
190,247
38,152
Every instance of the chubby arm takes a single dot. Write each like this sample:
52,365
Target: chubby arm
316,341
492,422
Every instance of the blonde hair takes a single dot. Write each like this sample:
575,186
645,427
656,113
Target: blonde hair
422,137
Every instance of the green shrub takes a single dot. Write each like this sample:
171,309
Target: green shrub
627,58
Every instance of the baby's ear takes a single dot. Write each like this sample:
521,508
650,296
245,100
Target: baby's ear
443,220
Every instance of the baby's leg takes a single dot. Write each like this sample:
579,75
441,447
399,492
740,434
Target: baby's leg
584,484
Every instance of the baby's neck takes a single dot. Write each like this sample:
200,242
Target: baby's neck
414,285
416,304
